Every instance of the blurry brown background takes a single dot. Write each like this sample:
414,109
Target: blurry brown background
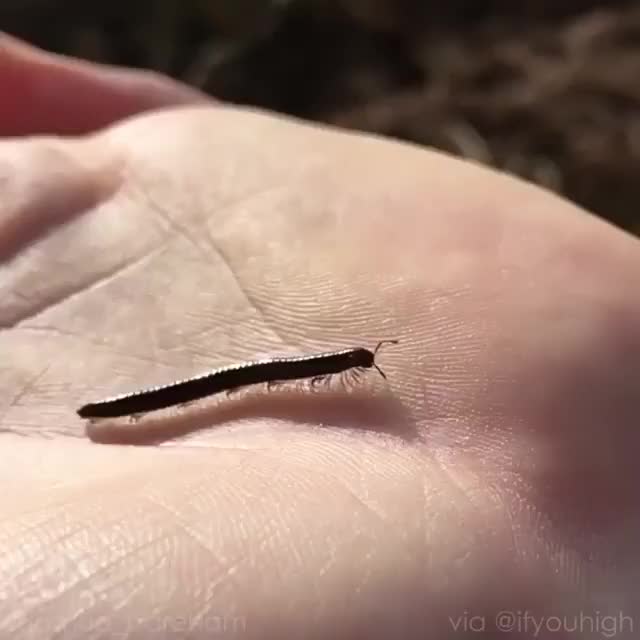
547,89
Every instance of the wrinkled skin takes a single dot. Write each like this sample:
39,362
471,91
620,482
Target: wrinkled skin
495,472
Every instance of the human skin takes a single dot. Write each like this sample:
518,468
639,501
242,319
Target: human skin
495,472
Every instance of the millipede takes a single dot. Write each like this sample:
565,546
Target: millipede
232,377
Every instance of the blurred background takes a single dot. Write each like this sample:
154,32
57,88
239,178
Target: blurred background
546,89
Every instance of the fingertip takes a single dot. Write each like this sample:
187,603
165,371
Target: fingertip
47,93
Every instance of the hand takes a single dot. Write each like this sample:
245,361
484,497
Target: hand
180,240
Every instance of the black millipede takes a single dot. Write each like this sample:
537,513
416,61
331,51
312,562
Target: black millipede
232,377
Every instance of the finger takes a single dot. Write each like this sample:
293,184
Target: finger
44,93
